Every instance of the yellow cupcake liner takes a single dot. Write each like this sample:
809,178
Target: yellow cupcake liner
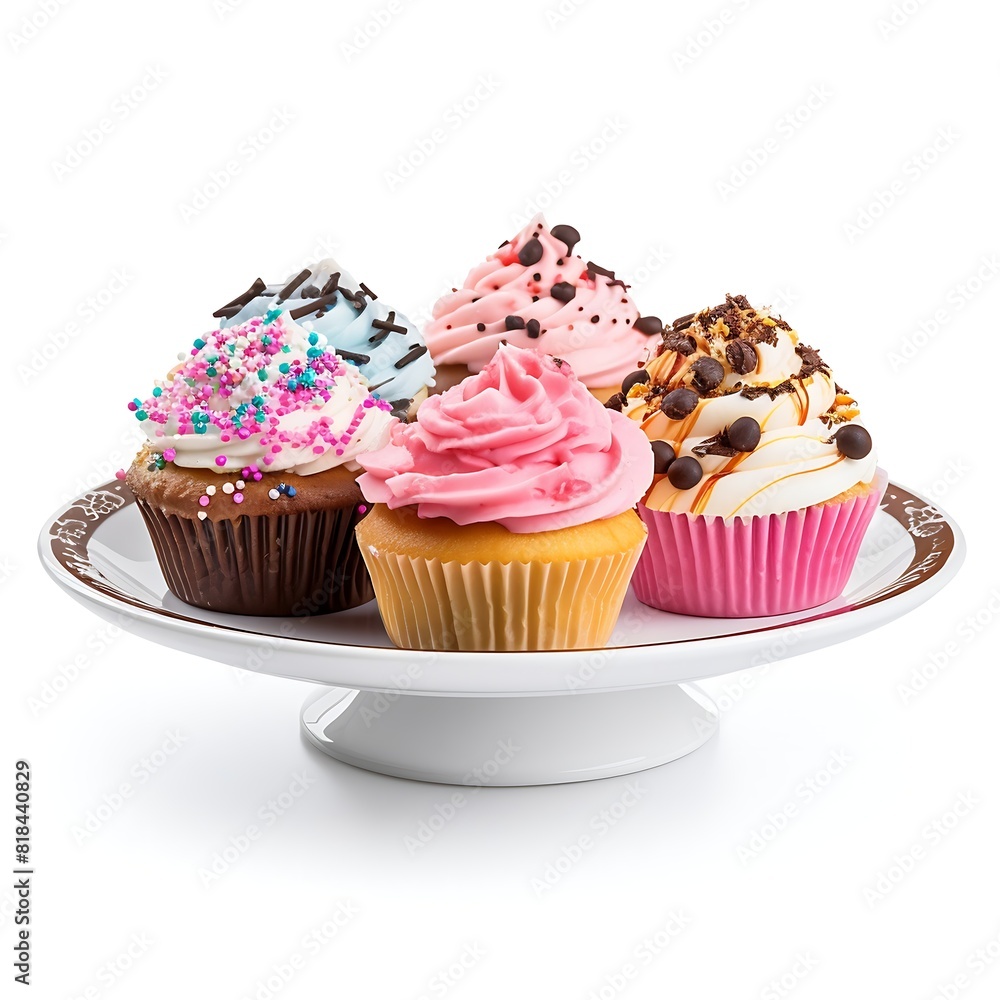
494,606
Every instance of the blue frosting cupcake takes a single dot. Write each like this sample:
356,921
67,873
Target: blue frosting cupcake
383,344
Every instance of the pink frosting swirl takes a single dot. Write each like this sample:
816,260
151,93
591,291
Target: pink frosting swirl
589,321
522,444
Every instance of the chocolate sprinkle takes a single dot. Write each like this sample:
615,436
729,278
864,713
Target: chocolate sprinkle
534,329
530,253
563,291
649,324
367,291
742,356
355,359
416,351
679,403
595,269
513,323
240,301
332,284
315,306
707,374
388,325
568,235
293,284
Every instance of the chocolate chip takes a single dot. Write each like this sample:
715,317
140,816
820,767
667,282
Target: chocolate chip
534,328
481,327
678,404
649,325
744,434
708,373
679,342
682,321
742,356
616,402
530,253
684,473
663,456
641,376
853,441
568,235
514,323
563,291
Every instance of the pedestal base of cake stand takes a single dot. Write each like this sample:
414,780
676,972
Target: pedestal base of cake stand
537,740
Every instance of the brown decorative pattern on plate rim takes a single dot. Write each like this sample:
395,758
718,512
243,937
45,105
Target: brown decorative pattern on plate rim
70,534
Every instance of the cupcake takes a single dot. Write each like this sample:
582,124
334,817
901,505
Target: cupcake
248,483
380,342
765,480
503,517
534,292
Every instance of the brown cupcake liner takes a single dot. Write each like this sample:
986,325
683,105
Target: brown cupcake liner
429,604
280,565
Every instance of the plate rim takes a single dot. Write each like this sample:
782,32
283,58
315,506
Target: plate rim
939,548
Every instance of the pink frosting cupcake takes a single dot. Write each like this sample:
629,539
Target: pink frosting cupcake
503,517
535,293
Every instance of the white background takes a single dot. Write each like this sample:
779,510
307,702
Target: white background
591,115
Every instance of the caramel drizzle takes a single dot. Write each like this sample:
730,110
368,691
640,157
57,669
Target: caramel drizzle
790,475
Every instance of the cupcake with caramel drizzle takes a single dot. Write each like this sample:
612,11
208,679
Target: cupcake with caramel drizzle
747,423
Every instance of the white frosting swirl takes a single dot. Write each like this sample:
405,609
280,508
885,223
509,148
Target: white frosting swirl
796,463
268,393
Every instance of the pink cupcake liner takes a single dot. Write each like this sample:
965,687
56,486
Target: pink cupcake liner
738,567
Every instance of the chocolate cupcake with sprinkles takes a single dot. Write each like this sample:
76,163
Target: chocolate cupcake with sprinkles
248,481
380,342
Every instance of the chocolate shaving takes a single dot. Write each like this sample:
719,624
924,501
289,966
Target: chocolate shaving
616,402
416,351
230,309
774,391
717,445
681,343
811,361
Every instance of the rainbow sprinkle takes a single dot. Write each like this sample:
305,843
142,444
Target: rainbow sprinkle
240,381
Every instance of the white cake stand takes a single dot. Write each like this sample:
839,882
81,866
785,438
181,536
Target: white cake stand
496,718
